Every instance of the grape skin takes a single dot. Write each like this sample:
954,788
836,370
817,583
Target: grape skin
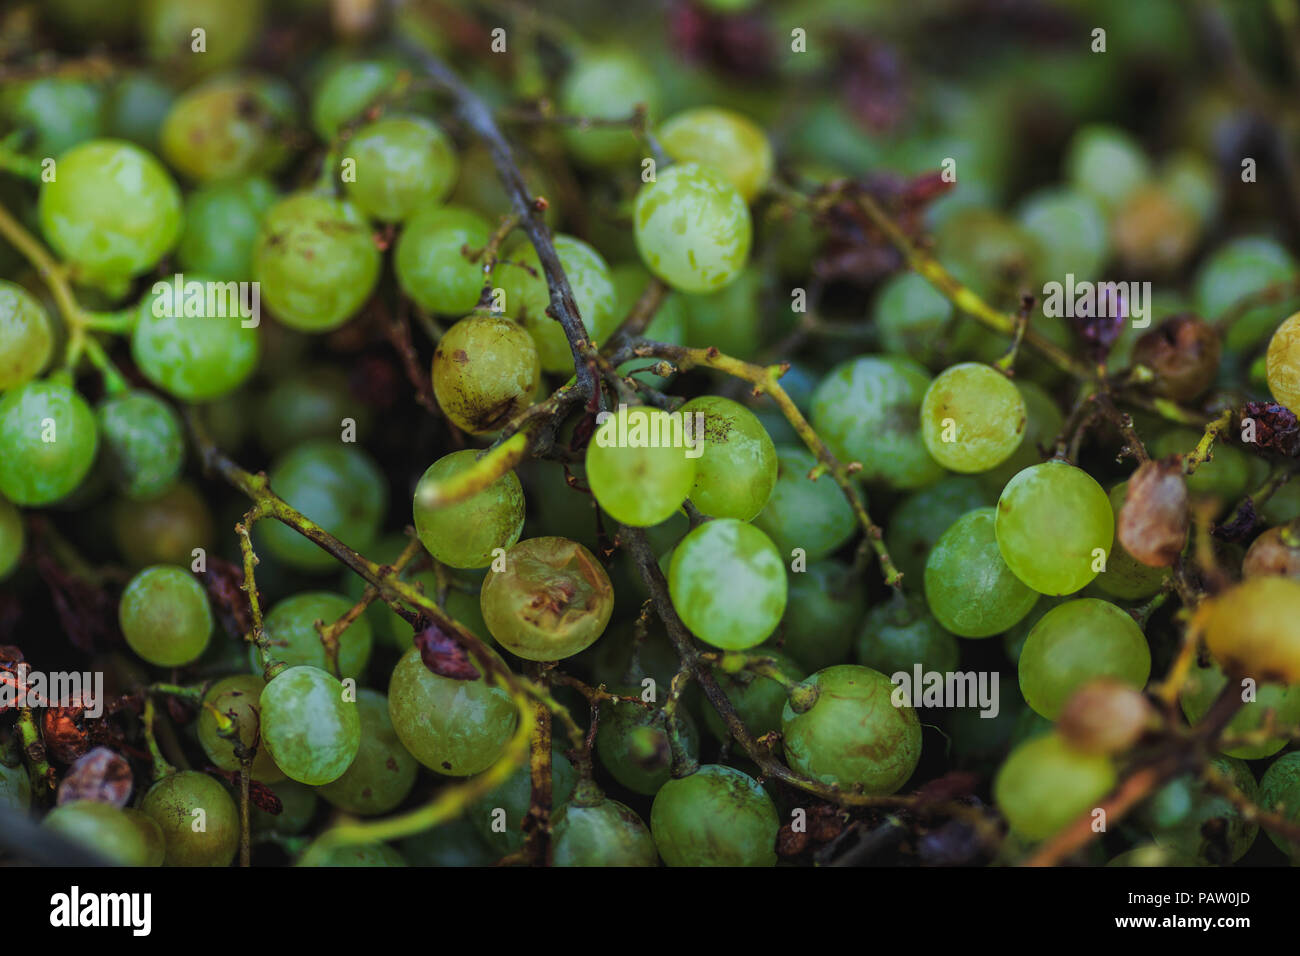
465,534
26,336
638,484
969,588
716,816
309,724
1045,784
731,143
429,263
987,413
35,472
485,372
692,228
165,617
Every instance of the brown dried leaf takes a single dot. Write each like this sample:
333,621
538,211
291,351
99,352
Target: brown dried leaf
1276,427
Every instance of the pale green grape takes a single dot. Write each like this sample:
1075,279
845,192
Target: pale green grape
972,417
736,470
485,372
924,516
290,627
383,772
731,143
606,84
143,442
402,163
803,513
228,127
1071,228
692,228
174,803
465,534
165,616
347,90
969,588
310,725
728,583
237,697
49,438
639,466
1045,785
429,263
221,225
1043,423
1107,164
26,336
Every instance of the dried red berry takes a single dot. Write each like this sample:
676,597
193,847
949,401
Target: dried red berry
100,775
443,655
1275,552
1105,716
1275,426
1184,353
1152,524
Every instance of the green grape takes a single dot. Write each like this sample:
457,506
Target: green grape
805,513
290,628
165,530
729,320
606,833
454,843
430,266
731,143
310,403
113,210
1045,784
195,345
15,787
55,112
668,325
26,336
1053,523
989,252
1071,229
457,728
49,437
1282,363
233,26
165,616
135,108
1203,686
316,261
758,700
465,534
383,773
968,587
365,854
236,697
346,92
639,465
736,470
692,228
514,796
297,807
221,225
633,744
177,803
1187,817
901,634
143,441
1043,423
972,417
924,516
1075,643
228,128
1125,576
1227,475
310,724
869,411
402,163
106,830
853,734
1106,164
911,317
527,297
1235,270
1279,792
822,612
728,584
337,486
716,816
607,85
485,372
12,538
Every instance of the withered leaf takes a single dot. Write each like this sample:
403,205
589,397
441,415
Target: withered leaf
101,775
443,655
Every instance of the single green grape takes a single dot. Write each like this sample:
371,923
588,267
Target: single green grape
822,612
923,516
430,266
310,724
1125,576
716,816
15,787
639,465
112,210
315,261
485,372
1043,423
972,418
457,728
692,228
1237,269
499,814
527,297
736,469
1282,363
853,734
402,163
1071,229
297,807
384,771
1054,523
731,143
198,819
221,225
165,530
1077,642
898,635
364,854
310,403
970,590
236,696
26,336
347,90
609,85
551,601
1196,821
135,107
465,534
728,583
55,112
337,486
165,616
802,512
229,127
604,833
196,345
868,410
633,744
143,442
289,626
912,318
759,700
1203,686
167,32
12,537
49,437
1046,784
106,830
1279,792
1106,164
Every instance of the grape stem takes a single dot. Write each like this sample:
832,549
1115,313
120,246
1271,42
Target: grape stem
1204,448
34,753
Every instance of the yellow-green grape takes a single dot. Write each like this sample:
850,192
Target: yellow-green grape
107,830
552,600
1054,527
485,372
727,582
383,772
1204,685
290,627
1283,363
12,537
969,588
429,263
143,443
1045,784
692,228
167,32
165,616
527,297
454,727
1077,642
177,803
26,336
716,816
402,163
1279,792
972,418
310,724
347,90
49,437
639,465
1197,821
1106,163
805,513
731,143
736,470
236,697
601,833
854,734
1125,576
607,85
466,533
1254,628
228,127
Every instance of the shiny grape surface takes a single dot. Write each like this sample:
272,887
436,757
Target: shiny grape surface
639,467
49,437
310,725
165,616
465,534
972,418
728,583
717,816
485,372
692,228
969,587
